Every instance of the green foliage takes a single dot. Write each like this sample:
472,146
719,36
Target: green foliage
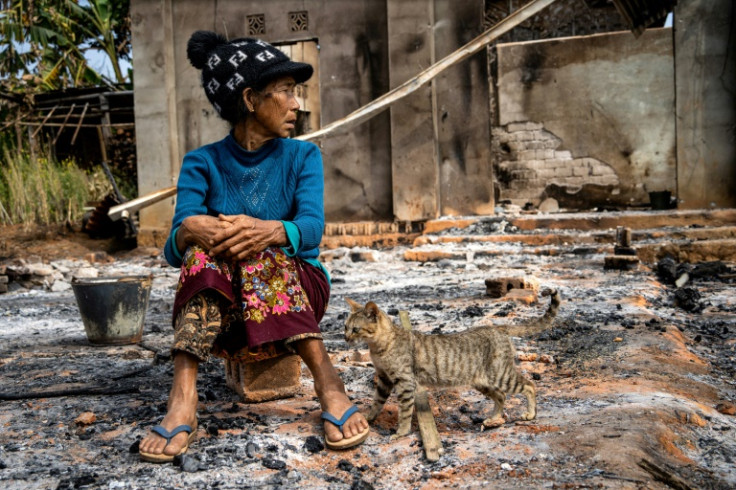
45,43
36,189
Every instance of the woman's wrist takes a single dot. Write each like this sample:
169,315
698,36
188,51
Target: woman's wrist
278,234
182,236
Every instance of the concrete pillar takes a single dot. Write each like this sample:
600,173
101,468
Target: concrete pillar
705,77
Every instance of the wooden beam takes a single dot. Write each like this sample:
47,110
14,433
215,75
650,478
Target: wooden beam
386,100
44,122
79,124
71,109
427,427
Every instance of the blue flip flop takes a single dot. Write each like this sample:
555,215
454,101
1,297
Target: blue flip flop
345,442
165,458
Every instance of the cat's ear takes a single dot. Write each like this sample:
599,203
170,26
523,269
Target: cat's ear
353,305
371,310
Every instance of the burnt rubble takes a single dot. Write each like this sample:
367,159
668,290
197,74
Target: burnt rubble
635,390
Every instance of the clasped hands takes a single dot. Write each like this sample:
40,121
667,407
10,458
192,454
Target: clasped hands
234,237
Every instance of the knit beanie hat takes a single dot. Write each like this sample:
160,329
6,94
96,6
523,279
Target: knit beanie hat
228,67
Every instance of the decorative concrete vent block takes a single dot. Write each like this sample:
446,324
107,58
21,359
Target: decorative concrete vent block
498,287
264,380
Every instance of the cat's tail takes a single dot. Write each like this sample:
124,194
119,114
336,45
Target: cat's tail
553,308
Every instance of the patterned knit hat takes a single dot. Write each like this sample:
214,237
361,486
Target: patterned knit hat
229,67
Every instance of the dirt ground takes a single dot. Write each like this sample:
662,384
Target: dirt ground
635,378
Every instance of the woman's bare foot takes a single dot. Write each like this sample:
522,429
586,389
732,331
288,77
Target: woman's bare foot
182,409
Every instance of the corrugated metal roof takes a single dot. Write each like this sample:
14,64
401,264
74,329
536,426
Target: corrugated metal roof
640,14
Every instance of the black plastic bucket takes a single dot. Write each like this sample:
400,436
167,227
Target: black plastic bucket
113,308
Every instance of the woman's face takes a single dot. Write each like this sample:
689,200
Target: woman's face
274,108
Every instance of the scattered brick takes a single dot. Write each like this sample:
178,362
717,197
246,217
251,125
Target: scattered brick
726,408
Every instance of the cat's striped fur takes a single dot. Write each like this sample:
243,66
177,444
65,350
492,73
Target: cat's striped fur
481,357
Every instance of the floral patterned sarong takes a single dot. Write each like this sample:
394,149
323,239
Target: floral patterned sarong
267,301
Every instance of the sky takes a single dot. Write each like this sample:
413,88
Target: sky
101,63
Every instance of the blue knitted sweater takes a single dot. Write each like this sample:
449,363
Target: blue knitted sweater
282,180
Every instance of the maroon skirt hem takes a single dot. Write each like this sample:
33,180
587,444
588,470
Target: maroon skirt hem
269,298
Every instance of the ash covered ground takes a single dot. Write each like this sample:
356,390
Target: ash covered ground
635,384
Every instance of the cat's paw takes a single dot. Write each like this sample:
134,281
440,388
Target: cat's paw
494,422
529,416
372,415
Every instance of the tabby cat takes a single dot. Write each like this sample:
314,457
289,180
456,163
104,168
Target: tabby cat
480,357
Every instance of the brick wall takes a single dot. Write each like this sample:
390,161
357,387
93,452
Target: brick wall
531,158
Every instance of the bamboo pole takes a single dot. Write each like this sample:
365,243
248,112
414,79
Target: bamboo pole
64,123
125,209
383,102
81,118
92,125
44,122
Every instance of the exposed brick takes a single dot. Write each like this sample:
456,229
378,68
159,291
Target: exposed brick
563,172
501,136
264,380
516,127
526,296
533,185
363,256
601,169
516,145
532,126
526,174
511,166
563,155
430,256
535,164
726,408
498,287
545,173
551,144
608,180
527,155
438,225
98,258
620,262
525,136
581,171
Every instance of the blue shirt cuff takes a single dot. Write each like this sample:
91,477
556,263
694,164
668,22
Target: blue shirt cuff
174,247
294,237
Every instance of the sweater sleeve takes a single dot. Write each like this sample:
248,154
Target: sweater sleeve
191,192
309,215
